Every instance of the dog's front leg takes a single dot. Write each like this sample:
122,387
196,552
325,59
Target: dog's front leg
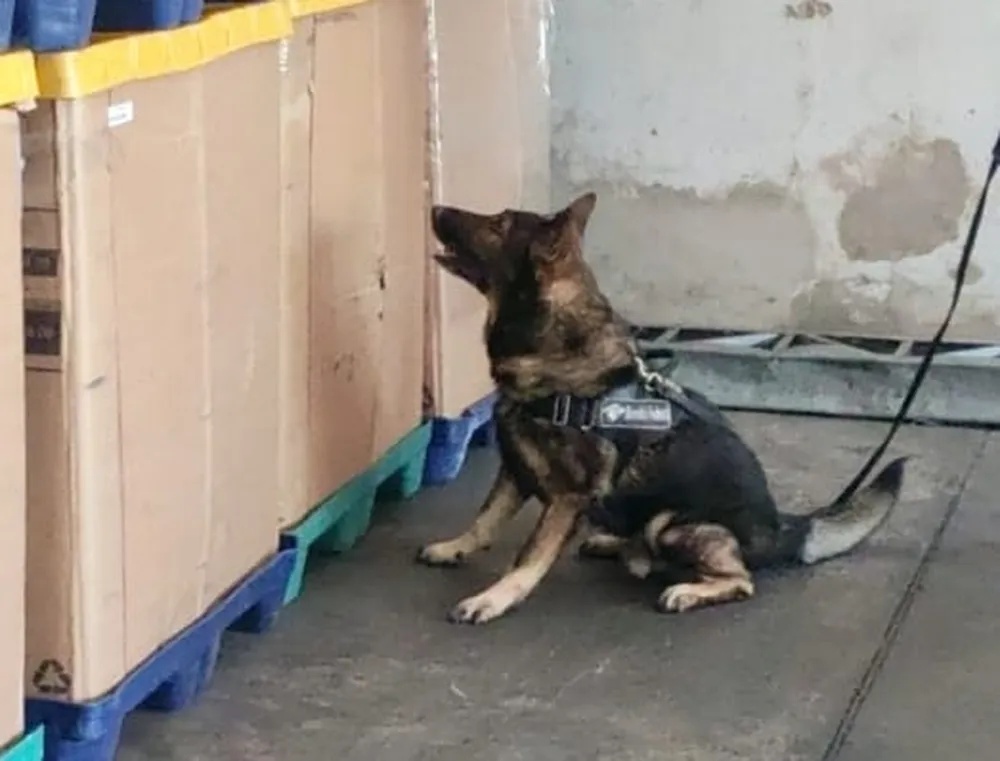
554,530
503,501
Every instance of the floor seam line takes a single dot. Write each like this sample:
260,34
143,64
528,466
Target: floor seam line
899,615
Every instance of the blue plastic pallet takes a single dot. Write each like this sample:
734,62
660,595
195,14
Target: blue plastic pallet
28,748
337,523
47,26
168,680
451,440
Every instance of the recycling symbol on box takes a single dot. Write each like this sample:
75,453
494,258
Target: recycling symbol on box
52,678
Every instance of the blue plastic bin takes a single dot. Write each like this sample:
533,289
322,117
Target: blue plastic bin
47,26
143,15
191,11
6,23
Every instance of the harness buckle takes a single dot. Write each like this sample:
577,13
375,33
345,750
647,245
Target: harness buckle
560,409
593,416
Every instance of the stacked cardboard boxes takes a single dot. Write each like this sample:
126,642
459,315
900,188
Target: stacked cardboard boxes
151,310
226,301
488,150
353,244
17,87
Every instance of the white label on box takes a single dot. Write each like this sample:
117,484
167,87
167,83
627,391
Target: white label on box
120,113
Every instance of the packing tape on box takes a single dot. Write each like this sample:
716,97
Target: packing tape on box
113,60
300,8
17,78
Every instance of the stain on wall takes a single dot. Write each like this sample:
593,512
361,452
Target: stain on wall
796,165
669,255
973,274
891,303
912,206
808,9
846,304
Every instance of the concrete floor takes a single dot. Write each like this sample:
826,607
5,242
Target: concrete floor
889,654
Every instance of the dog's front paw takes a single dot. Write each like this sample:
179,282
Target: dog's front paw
442,554
479,609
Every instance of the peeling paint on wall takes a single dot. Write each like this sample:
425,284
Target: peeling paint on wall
761,173
913,206
698,259
889,306
973,274
843,305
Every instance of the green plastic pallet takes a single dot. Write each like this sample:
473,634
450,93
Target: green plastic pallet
28,748
343,518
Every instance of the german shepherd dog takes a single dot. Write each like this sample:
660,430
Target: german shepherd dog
695,495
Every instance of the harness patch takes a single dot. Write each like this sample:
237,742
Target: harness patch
645,414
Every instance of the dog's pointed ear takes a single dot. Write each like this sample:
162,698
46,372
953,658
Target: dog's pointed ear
577,213
580,210
565,229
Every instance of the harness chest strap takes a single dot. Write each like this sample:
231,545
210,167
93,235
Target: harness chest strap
652,403
607,412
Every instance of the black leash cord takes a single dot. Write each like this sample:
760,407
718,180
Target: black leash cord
925,363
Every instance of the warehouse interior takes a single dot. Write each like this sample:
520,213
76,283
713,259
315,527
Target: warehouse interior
240,397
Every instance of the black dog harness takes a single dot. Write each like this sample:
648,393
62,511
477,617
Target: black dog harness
625,408
645,408
651,405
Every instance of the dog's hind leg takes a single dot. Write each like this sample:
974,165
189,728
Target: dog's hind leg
554,530
721,574
631,552
502,502
637,558
599,544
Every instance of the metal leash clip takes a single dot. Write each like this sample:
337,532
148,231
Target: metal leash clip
654,382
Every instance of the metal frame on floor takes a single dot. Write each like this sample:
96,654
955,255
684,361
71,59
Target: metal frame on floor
838,375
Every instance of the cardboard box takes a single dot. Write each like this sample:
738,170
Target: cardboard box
150,310
489,150
293,278
242,143
17,84
353,242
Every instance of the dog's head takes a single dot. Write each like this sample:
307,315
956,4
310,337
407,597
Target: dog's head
492,252
549,328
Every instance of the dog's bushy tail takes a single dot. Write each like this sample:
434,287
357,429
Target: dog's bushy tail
839,528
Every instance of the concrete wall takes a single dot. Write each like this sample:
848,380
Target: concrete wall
763,164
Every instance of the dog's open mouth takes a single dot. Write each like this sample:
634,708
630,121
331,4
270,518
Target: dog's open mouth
461,266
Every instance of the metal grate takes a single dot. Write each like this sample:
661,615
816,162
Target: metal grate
845,376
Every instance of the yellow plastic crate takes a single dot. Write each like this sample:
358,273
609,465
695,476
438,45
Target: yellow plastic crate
300,8
114,59
17,77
